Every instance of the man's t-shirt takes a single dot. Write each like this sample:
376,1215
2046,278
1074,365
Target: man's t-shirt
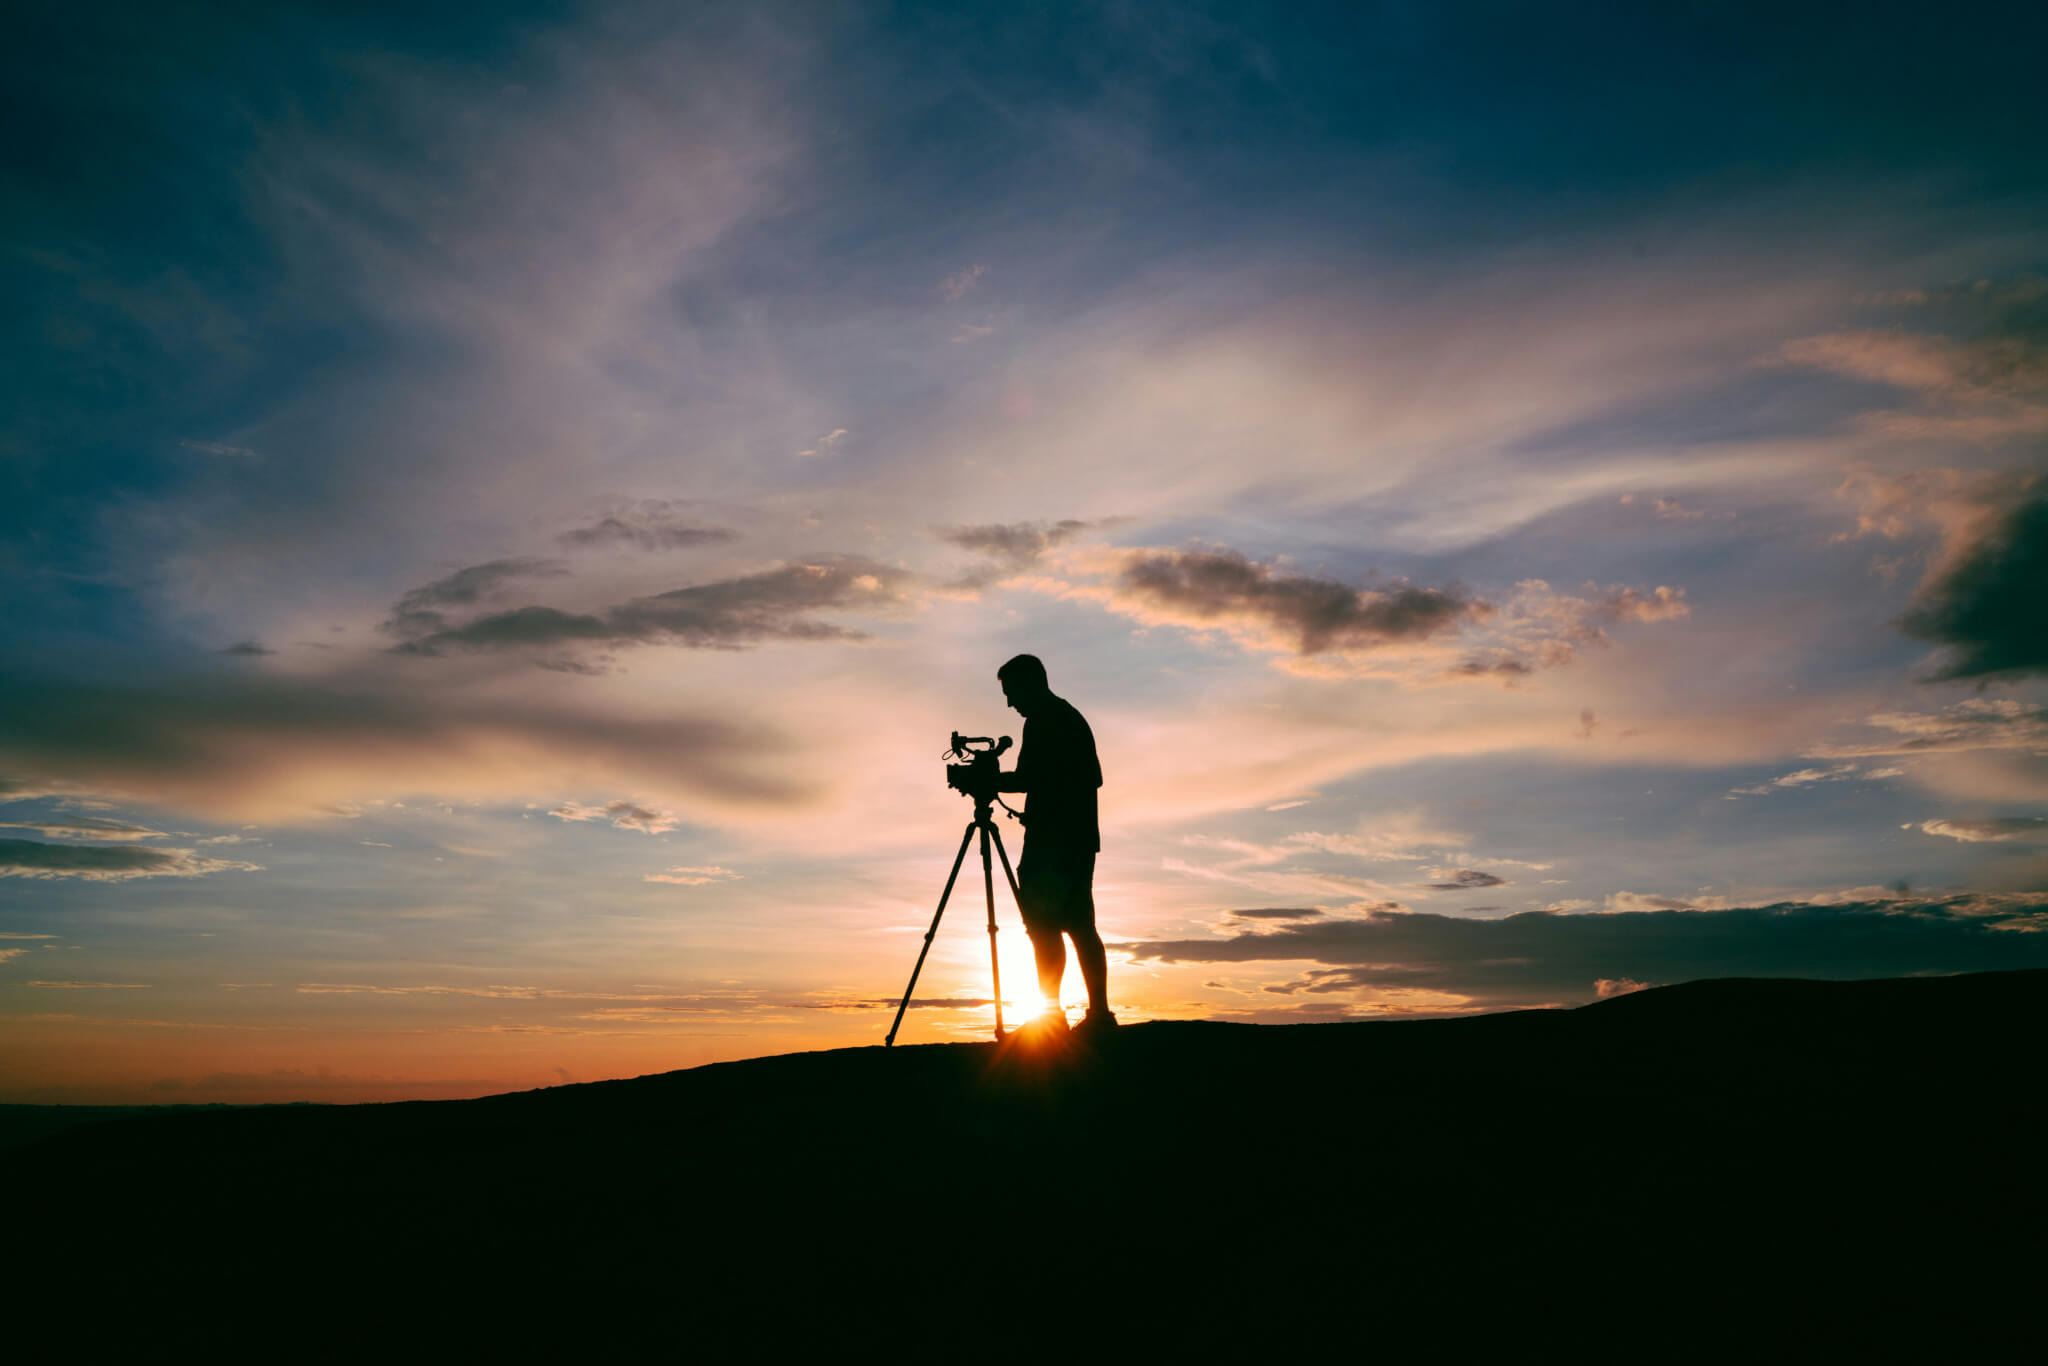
1060,772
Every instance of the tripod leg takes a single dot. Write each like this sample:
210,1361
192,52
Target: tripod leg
1009,876
951,877
988,891
1004,855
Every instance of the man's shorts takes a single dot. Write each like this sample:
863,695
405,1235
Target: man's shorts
1056,890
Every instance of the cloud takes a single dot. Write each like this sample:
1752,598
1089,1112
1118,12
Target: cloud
252,747
1536,626
774,604
1989,829
960,281
247,648
623,814
87,827
30,859
1618,902
1617,986
1264,607
1630,604
1986,604
650,524
827,442
1904,360
683,876
1278,913
418,611
1464,879
1540,957
6,954
1804,777
90,986
1977,723
1983,389
1671,510
221,449
1014,543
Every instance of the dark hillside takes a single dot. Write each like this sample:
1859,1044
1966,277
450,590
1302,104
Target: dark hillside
1849,1153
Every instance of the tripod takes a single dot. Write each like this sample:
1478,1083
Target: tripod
989,834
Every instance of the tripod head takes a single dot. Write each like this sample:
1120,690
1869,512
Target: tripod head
973,766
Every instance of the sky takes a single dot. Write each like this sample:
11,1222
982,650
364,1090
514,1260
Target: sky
502,509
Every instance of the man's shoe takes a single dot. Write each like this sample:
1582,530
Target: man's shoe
1096,1022
1046,1024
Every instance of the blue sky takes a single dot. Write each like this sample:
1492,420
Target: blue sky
504,508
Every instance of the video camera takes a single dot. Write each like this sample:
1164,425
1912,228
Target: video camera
973,767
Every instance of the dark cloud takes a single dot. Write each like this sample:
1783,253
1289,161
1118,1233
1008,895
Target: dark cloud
246,647
1307,615
104,863
85,827
1498,664
418,612
1015,543
726,614
520,626
1465,878
1988,607
1539,957
1278,913
651,524
252,745
1011,547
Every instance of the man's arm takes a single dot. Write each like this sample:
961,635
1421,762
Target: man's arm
1018,779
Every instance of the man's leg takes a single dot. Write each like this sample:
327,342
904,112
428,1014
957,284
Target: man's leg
1094,965
1051,951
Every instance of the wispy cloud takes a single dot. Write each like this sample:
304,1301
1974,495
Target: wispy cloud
87,827
957,284
1805,777
648,524
116,863
774,604
1989,829
827,442
90,986
701,876
1977,723
623,814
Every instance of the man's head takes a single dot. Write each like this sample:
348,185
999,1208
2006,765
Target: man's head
1023,680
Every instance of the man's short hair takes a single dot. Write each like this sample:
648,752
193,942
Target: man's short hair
1026,669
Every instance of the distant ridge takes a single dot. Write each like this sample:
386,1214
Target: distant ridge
1767,1137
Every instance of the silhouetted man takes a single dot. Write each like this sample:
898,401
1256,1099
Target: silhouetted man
1058,772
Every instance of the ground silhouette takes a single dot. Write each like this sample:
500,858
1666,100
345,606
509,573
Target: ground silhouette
1848,1158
